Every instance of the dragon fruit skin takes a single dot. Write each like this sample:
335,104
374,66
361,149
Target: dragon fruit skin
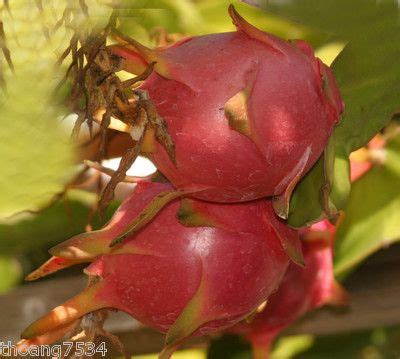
180,279
228,291
301,290
248,112
256,217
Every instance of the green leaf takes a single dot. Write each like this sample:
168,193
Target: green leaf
36,157
28,233
287,347
349,19
35,152
372,215
206,16
139,17
10,273
367,73
215,15
305,203
340,180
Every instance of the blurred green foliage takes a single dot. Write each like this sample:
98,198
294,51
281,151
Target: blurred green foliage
30,235
374,344
36,158
380,343
65,218
371,218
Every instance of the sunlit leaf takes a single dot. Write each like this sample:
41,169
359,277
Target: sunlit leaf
373,213
328,52
138,18
288,347
35,154
215,15
341,17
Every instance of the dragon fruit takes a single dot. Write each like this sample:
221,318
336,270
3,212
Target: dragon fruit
302,289
249,113
197,267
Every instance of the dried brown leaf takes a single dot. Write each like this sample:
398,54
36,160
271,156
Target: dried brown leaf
126,162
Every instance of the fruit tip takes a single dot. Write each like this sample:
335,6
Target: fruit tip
58,321
52,265
27,334
234,14
83,247
252,31
138,57
295,252
23,345
339,295
47,338
59,250
290,242
31,277
296,255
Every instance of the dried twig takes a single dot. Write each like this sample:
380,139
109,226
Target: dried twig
126,162
94,83
4,48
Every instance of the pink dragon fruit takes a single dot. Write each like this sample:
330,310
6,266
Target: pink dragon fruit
248,112
183,279
301,290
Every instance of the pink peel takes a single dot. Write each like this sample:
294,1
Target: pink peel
290,106
171,277
50,337
301,290
130,217
251,31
